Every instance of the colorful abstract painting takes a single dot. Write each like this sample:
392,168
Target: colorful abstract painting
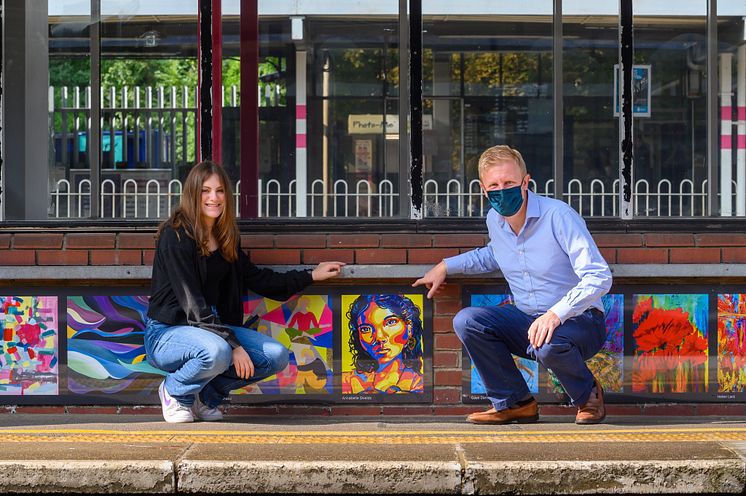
608,364
382,344
529,368
28,358
731,343
304,325
105,350
669,334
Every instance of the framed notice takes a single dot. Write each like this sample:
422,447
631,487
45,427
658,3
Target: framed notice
640,90
363,155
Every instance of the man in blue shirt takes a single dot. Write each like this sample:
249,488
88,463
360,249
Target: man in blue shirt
557,277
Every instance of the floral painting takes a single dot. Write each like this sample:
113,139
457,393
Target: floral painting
731,343
670,342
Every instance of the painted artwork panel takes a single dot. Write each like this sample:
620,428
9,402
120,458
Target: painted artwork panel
731,343
529,368
105,347
304,325
669,333
608,364
29,353
382,344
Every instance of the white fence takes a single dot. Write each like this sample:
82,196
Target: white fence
154,199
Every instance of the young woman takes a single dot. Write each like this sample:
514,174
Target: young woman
199,275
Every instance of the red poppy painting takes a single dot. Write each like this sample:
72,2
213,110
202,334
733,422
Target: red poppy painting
670,340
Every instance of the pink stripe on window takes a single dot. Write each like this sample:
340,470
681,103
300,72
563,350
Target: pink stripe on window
742,113
726,113
742,141
300,140
300,111
726,141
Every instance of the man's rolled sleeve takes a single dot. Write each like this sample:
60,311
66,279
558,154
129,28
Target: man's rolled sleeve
478,261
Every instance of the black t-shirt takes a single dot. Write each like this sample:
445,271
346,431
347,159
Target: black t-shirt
217,270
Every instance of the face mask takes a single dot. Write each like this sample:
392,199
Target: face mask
506,201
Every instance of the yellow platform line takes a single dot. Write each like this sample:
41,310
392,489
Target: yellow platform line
373,437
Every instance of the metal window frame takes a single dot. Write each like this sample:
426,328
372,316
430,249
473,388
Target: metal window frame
94,141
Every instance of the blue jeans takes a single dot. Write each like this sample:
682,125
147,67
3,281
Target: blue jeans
491,334
199,361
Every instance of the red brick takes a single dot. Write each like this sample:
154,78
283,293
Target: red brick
642,255
241,410
695,255
4,241
686,410
720,239
408,410
257,240
449,290
461,410
623,409
57,410
448,377
557,410
447,342
459,240
38,241
314,256
96,410
669,239
609,254
446,359
276,257
300,241
721,410
17,257
362,410
443,324
617,240
447,307
140,410
734,255
447,396
62,257
90,240
406,241
353,240
430,255
148,256
136,240
381,256
319,411
116,257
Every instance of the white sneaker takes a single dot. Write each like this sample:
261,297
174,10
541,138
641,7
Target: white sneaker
202,412
173,411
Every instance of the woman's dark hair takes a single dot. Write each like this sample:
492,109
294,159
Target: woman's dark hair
189,212
401,306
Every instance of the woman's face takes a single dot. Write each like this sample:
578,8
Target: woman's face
213,198
383,334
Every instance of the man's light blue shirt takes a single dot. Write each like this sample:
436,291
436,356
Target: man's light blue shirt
551,264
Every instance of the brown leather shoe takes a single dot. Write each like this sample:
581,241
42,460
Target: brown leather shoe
522,414
593,412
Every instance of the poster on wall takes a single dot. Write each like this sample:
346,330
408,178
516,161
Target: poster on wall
385,347
304,325
670,346
29,353
641,90
105,348
731,347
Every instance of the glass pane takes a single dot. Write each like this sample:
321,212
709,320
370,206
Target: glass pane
732,95
69,91
148,106
591,133
670,115
487,78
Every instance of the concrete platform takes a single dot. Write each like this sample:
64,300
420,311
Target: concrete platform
291,455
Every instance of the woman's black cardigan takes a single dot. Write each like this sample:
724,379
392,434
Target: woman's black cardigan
176,288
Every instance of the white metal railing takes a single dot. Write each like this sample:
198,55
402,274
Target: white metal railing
154,199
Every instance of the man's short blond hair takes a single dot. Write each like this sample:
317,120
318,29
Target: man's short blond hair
498,154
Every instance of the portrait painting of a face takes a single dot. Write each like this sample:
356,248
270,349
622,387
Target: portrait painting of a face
382,344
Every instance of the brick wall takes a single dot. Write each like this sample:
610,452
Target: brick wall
73,247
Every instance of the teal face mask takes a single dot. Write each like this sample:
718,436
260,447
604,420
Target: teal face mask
506,201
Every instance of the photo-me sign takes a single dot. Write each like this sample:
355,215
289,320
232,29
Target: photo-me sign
373,123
